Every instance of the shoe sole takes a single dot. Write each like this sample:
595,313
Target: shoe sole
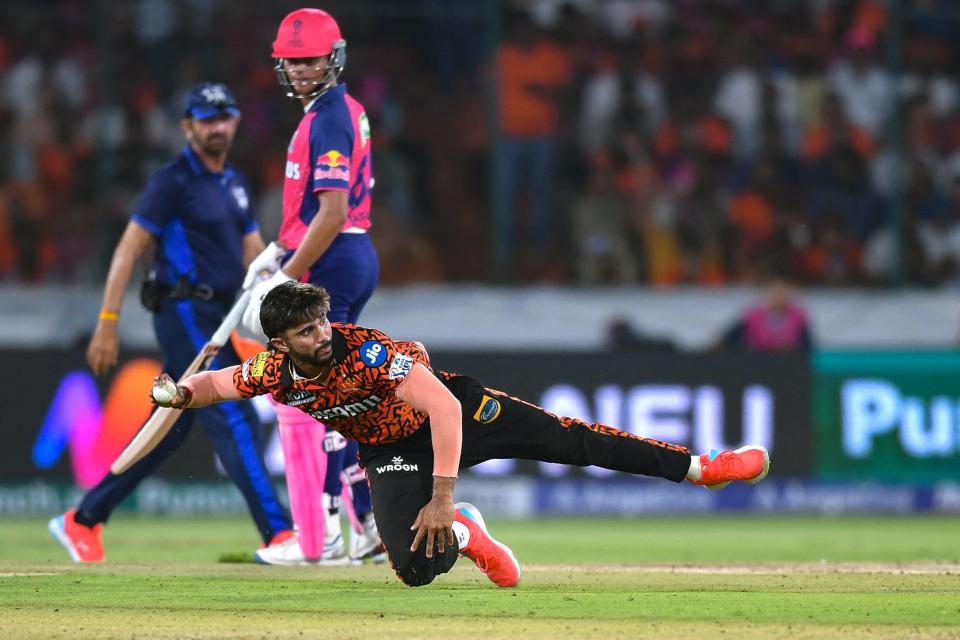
58,530
339,562
279,563
473,513
758,478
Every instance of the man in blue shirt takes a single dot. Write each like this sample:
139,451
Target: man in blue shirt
195,212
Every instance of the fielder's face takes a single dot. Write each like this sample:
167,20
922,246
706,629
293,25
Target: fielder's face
310,343
306,74
214,135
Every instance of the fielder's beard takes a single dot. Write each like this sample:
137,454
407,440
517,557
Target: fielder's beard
315,359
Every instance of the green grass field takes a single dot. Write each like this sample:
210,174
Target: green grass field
702,577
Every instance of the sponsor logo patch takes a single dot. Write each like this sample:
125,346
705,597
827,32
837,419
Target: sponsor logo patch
350,410
297,397
400,366
364,125
397,464
332,165
488,411
258,363
373,353
292,170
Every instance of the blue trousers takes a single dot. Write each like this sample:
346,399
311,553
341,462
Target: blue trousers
182,328
349,271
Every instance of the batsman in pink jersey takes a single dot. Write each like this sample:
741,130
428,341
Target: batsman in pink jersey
326,215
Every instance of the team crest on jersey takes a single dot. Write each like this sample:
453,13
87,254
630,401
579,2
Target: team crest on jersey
372,353
364,126
489,410
240,195
332,165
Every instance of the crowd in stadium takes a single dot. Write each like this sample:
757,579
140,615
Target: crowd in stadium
638,141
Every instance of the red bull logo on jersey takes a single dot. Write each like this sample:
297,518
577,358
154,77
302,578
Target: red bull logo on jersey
332,165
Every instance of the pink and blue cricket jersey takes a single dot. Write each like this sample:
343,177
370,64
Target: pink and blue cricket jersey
329,151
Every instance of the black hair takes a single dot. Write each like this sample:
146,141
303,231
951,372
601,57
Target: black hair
290,304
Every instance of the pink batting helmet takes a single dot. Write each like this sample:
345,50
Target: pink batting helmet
306,33
310,33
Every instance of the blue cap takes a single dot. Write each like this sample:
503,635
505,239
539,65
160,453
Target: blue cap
210,99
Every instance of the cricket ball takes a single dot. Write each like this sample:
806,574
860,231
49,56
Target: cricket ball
165,392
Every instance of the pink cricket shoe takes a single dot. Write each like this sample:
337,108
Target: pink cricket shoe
718,469
493,558
81,542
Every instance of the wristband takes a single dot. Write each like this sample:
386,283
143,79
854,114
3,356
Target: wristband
109,315
187,394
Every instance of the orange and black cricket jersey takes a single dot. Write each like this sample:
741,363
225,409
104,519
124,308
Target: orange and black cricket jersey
357,397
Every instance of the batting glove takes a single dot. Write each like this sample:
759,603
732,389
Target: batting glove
251,317
267,261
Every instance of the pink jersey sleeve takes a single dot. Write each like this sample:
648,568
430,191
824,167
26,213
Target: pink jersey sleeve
210,387
424,392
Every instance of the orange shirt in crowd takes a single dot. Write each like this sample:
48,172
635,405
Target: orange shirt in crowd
816,142
529,79
751,212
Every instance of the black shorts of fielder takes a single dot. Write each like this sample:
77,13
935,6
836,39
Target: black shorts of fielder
494,426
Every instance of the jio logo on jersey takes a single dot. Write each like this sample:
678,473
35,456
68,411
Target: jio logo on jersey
373,353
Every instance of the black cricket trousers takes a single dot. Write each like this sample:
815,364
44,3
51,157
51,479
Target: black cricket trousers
495,425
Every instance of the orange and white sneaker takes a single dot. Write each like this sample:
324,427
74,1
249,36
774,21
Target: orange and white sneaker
495,559
719,468
81,542
280,536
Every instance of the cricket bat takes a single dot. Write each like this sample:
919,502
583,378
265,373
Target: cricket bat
162,420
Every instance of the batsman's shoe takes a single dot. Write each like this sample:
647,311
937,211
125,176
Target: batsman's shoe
285,552
366,543
288,553
81,542
335,553
494,558
748,464
280,536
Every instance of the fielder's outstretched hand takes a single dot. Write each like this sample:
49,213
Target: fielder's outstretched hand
167,393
